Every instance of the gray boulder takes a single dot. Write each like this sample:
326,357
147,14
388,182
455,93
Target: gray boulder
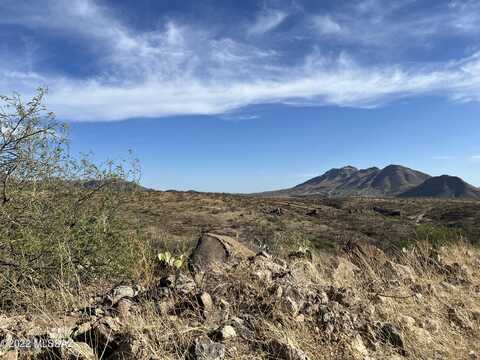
217,249
206,349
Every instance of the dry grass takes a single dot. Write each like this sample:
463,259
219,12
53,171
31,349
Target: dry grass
422,302
434,303
417,304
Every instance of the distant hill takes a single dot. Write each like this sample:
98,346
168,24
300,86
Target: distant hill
444,187
121,185
395,179
327,182
347,181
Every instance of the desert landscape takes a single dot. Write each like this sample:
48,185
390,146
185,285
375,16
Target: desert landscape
351,264
239,180
249,276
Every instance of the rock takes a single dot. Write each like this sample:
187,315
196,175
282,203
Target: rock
123,308
98,311
390,334
206,349
227,332
239,325
386,212
323,297
262,264
421,335
78,351
263,275
341,296
81,329
285,350
278,292
106,336
184,284
121,292
336,321
213,248
238,321
205,301
431,325
224,304
10,355
5,322
263,254
407,321
344,272
100,335
418,218
358,348
290,305
275,211
300,318
60,333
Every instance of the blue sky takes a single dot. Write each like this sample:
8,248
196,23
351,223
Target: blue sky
246,96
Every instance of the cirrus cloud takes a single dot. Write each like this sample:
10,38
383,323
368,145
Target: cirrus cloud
179,69
267,20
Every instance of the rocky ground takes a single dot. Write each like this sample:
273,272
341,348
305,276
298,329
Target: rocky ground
231,302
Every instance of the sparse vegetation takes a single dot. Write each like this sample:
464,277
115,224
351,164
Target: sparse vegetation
345,278
59,213
438,236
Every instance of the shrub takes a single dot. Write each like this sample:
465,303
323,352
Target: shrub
58,213
438,235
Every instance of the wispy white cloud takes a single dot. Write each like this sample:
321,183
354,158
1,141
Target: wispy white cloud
267,20
178,69
475,157
239,116
384,24
175,85
325,25
464,15
443,157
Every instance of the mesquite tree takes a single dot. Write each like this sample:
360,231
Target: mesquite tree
31,141
58,213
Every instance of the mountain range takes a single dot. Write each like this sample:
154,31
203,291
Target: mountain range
391,181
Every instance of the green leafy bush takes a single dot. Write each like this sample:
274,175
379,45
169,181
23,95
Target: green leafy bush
59,219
